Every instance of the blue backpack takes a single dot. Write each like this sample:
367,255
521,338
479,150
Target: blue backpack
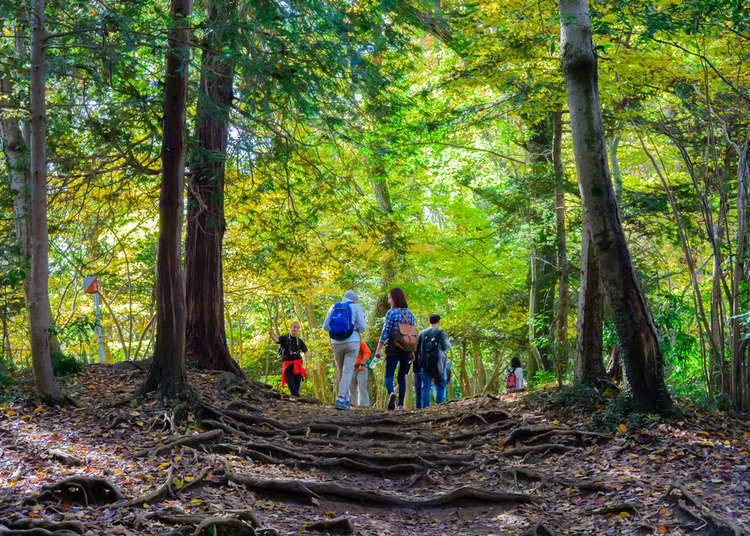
341,324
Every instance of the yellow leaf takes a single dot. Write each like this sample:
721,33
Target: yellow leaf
623,515
661,529
622,428
179,483
189,478
195,501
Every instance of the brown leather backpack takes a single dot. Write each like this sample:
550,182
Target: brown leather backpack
405,335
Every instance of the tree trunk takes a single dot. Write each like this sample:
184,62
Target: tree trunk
39,308
562,250
206,342
739,373
589,365
167,375
480,373
18,167
463,376
642,356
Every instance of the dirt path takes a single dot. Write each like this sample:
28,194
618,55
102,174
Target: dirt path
250,457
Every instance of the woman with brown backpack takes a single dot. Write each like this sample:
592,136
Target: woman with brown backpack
399,336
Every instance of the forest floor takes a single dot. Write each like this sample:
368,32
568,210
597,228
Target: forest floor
250,456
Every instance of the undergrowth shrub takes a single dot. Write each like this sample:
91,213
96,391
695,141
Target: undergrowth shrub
63,364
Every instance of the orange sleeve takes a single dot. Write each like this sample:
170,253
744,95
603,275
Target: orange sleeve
364,350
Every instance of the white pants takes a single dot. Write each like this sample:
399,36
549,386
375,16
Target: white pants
358,389
345,355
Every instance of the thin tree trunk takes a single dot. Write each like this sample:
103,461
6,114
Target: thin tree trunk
635,327
614,142
739,374
463,378
167,375
480,373
562,250
206,341
39,307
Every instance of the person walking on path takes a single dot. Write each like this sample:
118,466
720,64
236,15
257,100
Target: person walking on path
432,344
514,376
290,349
362,366
345,322
399,336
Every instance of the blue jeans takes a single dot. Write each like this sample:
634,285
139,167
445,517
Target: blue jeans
403,363
427,383
445,388
418,389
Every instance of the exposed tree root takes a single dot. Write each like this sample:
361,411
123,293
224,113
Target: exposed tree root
704,512
342,524
255,452
224,526
32,526
546,447
175,516
527,434
616,509
65,459
164,490
195,440
80,490
304,492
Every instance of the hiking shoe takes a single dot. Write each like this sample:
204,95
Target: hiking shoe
392,401
340,404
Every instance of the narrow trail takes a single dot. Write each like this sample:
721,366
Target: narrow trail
253,461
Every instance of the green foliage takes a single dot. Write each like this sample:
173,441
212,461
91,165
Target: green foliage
65,364
542,377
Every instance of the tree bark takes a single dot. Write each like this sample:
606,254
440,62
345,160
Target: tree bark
39,308
589,365
206,342
562,250
167,375
18,166
643,360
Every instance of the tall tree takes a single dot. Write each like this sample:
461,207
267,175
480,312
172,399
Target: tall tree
167,375
38,238
635,327
206,341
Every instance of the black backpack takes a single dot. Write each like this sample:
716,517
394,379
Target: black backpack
430,356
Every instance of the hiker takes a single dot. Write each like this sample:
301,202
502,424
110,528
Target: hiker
290,349
362,367
447,376
514,376
399,336
345,322
432,344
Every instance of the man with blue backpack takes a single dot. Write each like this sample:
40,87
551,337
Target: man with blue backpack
345,323
432,344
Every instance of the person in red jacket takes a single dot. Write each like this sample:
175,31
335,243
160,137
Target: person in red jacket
358,388
291,348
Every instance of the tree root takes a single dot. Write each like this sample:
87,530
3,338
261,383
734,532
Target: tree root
616,509
194,440
341,524
705,512
224,526
80,490
32,526
535,433
255,452
65,459
164,490
545,447
304,492
175,516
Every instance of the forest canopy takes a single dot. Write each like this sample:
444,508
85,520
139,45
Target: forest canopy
365,145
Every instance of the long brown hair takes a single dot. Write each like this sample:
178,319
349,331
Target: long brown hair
399,300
